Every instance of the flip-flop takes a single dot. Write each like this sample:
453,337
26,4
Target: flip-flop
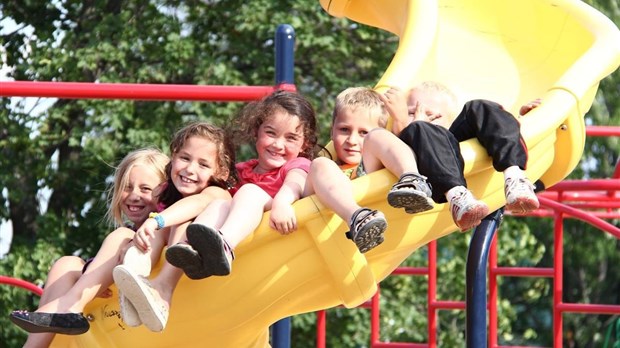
183,256
215,253
152,312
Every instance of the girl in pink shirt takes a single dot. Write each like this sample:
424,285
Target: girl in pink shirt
283,128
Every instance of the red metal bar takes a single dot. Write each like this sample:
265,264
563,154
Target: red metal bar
375,323
522,271
602,131
558,278
589,308
135,91
589,218
448,305
411,271
21,284
492,303
432,294
321,319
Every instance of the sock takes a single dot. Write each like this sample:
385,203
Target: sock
513,172
456,190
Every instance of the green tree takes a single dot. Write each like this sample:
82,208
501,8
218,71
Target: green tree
66,150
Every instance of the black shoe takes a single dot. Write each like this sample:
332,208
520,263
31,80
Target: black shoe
62,323
183,256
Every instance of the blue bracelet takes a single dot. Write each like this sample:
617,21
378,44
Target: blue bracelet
160,220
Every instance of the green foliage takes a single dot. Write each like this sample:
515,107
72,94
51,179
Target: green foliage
65,150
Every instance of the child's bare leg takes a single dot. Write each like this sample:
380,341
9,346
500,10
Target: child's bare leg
332,187
335,190
62,276
246,212
382,149
96,278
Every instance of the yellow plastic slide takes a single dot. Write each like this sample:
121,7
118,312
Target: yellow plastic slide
507,51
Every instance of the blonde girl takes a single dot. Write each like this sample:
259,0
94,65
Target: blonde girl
73,282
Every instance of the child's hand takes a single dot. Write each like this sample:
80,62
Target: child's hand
107,293
145,233
283,219
420,113
530,106
396,103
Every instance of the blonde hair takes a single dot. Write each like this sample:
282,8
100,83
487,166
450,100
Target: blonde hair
150,157
436,87
361,97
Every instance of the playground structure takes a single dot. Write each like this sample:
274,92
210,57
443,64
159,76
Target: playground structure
319,268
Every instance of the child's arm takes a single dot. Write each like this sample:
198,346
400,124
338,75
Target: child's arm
183,210
282,217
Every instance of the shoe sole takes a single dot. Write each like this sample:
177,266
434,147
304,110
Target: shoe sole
188,261
523,205
413,201
370,235
138,261
129,314
472,217
34,328
139,294
210,246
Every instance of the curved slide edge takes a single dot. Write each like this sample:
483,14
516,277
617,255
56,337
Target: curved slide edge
510,52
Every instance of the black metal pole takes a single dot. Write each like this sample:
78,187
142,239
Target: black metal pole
476,279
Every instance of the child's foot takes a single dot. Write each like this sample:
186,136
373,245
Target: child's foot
152,310
62,323
467,211
216,254
520,196
411,192
183,256
367,227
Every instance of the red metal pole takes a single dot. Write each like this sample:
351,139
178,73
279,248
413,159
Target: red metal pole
432,294
135,91
558,279
321,320
21,284
493,292
375,324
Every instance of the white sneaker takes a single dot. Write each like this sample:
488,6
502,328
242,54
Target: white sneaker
129,314
138,261
467,211
520,196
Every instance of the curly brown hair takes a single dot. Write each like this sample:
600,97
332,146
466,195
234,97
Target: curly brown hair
255,113
225,175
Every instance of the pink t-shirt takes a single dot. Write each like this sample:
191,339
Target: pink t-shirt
270,181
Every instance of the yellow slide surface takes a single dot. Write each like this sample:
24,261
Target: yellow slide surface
507,51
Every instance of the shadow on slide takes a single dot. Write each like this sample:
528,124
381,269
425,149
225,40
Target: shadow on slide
507,51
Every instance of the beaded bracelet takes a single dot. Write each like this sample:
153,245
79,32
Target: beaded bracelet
160,220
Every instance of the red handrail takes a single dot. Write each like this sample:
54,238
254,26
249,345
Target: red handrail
135,91
21,284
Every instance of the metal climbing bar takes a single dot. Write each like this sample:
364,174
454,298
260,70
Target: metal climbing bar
476,279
